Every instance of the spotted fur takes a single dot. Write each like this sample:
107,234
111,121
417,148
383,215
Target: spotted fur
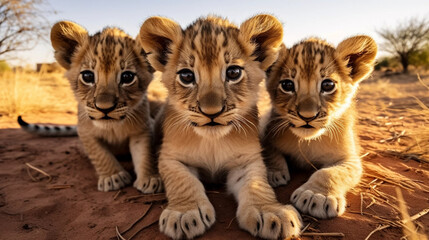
314,126
109,75
210,124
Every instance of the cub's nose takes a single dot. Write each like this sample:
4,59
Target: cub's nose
308,109
308,117
212,113
211,105
105,103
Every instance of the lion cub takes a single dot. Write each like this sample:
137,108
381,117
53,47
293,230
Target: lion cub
212,70
312,88
109,75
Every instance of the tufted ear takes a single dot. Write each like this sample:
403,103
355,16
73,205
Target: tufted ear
157,34
139,49
65,38
266,32
359,53
282,53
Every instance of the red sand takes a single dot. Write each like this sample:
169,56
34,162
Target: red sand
30,210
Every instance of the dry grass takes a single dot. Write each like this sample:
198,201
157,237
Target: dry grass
30,92
397,108
27,92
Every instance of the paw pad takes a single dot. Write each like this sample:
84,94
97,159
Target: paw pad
317,204
113,182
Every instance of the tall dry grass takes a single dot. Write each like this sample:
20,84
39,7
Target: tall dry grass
24,92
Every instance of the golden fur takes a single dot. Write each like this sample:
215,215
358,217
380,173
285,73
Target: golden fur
314,123
109,75
210,122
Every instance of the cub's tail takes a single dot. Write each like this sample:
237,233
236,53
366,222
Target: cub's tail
48,130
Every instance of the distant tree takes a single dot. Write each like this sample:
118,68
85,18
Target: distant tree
406,39
22,25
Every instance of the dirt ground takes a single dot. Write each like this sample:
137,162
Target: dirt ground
68,206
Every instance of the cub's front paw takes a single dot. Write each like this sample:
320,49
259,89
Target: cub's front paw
152,184
317,204
270,221
113,182
278,178
190,223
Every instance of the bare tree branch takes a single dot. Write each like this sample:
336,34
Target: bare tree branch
22,25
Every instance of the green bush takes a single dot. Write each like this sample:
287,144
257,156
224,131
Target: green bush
421,58
386,62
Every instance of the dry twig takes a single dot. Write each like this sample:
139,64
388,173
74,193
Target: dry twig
59,186
117,194
230,222
148,198
138,220
332,234
379,228
305,228
38,170
141,229
417,216
118,234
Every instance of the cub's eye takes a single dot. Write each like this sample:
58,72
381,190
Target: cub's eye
87,77
327,86
127,78
233,73
287,86
187,77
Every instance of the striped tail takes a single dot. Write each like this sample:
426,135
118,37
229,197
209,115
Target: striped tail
48,130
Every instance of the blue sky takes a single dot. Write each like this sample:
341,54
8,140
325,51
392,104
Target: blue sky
333,20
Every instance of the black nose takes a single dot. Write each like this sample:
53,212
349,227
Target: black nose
213,115
308,119
106,110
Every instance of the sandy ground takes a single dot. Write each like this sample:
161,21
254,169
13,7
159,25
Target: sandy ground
69,206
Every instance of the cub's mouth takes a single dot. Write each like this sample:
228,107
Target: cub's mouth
307,126
212,123
106,118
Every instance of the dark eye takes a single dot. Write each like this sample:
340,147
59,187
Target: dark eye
127,77
233,73
287,86
327,85
88,77
186,77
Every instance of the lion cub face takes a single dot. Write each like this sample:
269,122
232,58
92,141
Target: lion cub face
312,84
108,71
212,69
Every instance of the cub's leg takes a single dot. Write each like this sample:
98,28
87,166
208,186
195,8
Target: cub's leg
323,195
189,212
277,168
258,210
148,180
111,175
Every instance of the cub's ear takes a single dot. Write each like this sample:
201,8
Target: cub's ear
65,38
277,65
359,53
266,32
139,49
157,34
